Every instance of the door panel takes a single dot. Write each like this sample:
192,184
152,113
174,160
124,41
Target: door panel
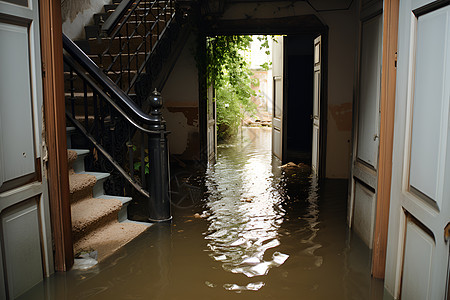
316,105
421,161
417,273
370,85
22,243
278,119
428,150
17,144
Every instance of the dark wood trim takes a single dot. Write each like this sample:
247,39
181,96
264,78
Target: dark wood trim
286,25
203,96
430,7
55,132
387,109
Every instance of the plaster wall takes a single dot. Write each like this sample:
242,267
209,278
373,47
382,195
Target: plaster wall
78,13
181,104
342,42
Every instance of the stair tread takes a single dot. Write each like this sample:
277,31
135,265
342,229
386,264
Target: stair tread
97,175
93,212
110,238
80,152
122,199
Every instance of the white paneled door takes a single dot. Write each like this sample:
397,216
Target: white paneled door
316,105
418,252
25,237
278,119
364,183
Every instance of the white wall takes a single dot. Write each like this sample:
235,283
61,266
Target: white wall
343,30
181,96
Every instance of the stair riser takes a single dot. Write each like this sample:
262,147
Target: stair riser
79,233
98,46
106,61
80,195
78,84
78,164
99,190
123,213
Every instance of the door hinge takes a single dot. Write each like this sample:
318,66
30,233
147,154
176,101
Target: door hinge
447,233
43,70
395,59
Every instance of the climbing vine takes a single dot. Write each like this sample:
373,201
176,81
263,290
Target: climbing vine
228,71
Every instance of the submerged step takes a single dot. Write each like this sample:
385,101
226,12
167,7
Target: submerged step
110,238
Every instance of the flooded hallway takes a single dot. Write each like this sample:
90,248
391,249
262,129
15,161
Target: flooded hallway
110,135
259,231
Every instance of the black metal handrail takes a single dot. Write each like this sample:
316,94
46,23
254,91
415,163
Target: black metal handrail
116,93
137,31
119,131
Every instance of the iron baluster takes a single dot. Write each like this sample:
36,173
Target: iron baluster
72,91
102,122
143,159
120,62
130,152
128,55
96,120
86,122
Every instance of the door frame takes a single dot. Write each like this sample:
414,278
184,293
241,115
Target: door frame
305,24
56,163
387,115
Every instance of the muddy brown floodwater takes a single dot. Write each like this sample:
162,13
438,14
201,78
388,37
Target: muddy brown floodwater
257,232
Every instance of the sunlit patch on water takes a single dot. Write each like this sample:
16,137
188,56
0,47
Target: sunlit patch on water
245,212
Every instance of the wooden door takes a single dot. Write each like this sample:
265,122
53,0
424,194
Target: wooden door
417,252
26,244
211,137
315,158
278,118
362,206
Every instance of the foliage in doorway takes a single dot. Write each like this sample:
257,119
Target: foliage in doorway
229,72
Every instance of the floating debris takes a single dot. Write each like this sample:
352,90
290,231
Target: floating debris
249,287
85,260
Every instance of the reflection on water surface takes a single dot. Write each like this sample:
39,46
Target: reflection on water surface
264,232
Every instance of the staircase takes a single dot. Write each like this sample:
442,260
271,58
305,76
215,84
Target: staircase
99,221
111,131
136,48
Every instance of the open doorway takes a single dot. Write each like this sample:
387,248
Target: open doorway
294,92
299,66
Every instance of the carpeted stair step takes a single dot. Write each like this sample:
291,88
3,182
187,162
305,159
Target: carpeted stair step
109,238
123,214
81,186
92,213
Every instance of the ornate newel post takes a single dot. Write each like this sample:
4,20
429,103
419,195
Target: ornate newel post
158,154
